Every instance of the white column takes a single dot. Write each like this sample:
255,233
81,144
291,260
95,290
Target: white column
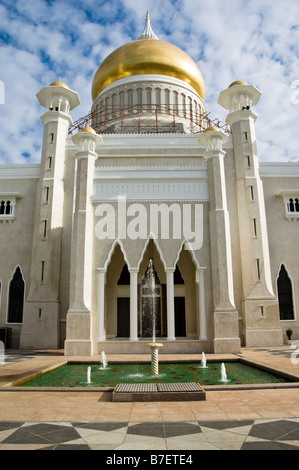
200,280
133,304
101,305
170,305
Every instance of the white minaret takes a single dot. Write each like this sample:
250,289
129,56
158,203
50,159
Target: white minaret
41,320
260,308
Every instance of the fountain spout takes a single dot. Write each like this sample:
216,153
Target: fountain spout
104,360
155,357
203,361
88,375
224,378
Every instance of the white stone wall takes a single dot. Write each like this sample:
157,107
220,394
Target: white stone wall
16,235
282,231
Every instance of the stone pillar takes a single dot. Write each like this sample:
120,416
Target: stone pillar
133,304
101,305
226,327
170,305
202,319
79,331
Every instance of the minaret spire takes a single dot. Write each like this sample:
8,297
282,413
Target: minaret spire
148,33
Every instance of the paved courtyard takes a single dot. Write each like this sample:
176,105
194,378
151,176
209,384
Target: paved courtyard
229,419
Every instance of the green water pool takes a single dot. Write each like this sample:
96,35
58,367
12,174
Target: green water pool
75,375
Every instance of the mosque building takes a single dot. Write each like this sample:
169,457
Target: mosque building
148,179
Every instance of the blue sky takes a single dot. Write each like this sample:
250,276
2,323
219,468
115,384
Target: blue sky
252,40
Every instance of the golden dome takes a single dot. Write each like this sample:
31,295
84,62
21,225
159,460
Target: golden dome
148,56
59,83
238,82
88,129
212,129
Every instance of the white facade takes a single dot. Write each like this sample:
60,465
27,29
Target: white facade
63,284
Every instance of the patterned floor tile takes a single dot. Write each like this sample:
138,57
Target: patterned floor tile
276,430
141,442
273,434
42,433
267,445
225,424
147,429
181,429
113,426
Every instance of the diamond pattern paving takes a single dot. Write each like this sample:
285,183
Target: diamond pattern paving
272,434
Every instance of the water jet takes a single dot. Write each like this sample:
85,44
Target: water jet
104,361
89,375
224,378
203,361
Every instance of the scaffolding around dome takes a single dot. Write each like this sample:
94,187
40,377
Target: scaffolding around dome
148,119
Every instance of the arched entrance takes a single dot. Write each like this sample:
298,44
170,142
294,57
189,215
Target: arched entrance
16,297
285,295
127,298
179,304
123,304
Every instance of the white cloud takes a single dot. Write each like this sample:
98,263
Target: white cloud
251,40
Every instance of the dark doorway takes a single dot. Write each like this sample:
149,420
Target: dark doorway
285,295
123,317
180,316
16,297
124,279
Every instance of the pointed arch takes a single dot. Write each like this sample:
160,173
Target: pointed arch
16,295
149,238
285,294
111,252
186,245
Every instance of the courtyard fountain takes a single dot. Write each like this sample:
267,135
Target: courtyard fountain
88,375
203,361
224,378
104,361
153,345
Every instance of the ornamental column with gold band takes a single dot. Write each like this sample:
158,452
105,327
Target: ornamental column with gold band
79,340
226,329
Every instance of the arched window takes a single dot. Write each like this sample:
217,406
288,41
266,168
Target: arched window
16,297
114,102
167,100
122,99
296,205
8,208
158,98
291,205
130,98
139,96
2,207
176,101
285,295
148,98
184,104
190,108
